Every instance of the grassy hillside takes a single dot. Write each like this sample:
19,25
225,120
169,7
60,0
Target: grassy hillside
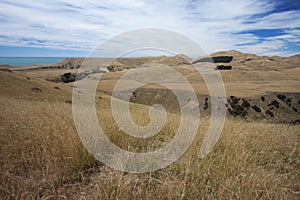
42,156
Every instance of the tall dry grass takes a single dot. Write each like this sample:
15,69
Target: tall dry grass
40,150
252,160
42,157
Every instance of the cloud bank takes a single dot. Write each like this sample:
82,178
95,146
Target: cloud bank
214,24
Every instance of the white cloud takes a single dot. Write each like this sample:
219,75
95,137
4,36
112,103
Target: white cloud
264,47
83,24
291,36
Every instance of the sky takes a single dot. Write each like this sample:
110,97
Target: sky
62,28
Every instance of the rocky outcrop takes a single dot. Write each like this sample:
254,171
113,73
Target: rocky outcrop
68,77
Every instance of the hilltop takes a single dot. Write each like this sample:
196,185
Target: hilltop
246,61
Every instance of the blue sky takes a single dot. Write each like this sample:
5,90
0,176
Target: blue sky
72,29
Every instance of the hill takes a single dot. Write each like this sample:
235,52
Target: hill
245,61
256,157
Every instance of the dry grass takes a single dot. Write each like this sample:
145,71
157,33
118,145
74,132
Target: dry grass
39,148
237,82
43,158
251,161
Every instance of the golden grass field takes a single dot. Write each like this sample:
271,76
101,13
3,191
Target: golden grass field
42,156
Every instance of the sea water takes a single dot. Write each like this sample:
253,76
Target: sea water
24,61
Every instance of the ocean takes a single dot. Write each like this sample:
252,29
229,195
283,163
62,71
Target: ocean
23,61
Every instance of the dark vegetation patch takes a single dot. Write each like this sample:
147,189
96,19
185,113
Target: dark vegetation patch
274,103
134,94
245,104
295,122
222,59
68,77
270,113
256,108
288,102
275,108
223,67
281,97
234,99
205,107
216,59
237,109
